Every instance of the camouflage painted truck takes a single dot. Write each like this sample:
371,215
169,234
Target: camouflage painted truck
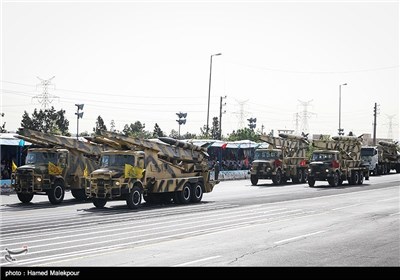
389,157
337,160
162,170
58,164
285,159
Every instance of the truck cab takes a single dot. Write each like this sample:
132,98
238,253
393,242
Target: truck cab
266,165
43,173
370,157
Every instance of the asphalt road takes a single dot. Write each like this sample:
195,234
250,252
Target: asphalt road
235,225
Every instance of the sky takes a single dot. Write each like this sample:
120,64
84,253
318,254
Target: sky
281,62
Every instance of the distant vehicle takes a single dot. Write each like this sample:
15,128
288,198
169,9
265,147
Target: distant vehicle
337,160
370,156
389,157
284,160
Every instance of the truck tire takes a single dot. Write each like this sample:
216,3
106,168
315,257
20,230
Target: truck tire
25,197
299,177
99,202
79,194
183,197
197,192
304,176
134,198
254,180
360,178
311,181
277,178
354,178
334,180
56,193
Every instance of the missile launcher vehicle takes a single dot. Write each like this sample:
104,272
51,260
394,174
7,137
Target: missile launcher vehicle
285,159
336,160
160,170
58,164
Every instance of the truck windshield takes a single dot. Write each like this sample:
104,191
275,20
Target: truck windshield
367,152
322,156
266,155
40,157
117,160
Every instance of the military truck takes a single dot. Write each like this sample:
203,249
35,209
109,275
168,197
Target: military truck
285,159
160,170
389,157
336,160
58,164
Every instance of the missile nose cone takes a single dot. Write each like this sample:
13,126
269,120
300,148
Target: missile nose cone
167,140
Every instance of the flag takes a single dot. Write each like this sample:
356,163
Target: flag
133,171
54,169
85,171
13,166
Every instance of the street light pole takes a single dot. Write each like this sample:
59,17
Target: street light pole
340,107
209,91
220,115
78,115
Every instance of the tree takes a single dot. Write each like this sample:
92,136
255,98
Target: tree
48,121
157,131
243,134
215,128
174,134
203,133
112,125
99,126
136,130
188,135
3,126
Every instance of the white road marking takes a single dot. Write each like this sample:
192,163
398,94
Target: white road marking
344,207
196,261
298,237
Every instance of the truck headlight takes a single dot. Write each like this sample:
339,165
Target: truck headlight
117,183
39,179
327,170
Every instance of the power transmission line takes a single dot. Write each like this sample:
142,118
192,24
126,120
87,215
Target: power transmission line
305,115
45,98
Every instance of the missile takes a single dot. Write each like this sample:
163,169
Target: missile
181,144
387,144
347,138
291,136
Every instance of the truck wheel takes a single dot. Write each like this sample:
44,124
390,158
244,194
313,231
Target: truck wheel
277,179
375,171
354,178
304,176
25,197
79,194
311,181
99,202
334,180
254,180
360,178
197,192
299,177
134,198
57,192
183,197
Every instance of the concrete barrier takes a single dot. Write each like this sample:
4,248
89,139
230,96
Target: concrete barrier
231,175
